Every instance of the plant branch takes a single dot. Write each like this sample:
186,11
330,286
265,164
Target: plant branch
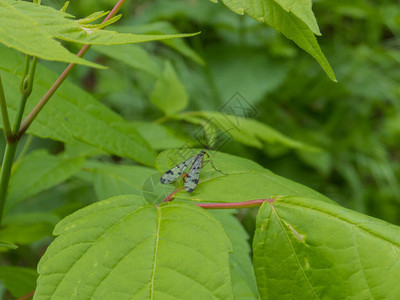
4,114
224,205
5,174
27,296
170,197
245,204
35,111
12,143
26,90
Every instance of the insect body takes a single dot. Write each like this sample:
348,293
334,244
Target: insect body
192,179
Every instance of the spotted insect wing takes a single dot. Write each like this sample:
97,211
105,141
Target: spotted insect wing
172,174
192,179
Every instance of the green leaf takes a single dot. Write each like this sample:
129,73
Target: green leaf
121,248
169,94
163,28
283,15
159,136
48,170
112,180
308,249
79,149
242,273
247,131
7,245
22,27
246,70
243,180
19,281
72,114
302,10
133,56
25,228
31,29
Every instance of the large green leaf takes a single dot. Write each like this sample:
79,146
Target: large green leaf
40,171
294,19
122,248
31,29
169,94
72,114
308,249
243,180
19,281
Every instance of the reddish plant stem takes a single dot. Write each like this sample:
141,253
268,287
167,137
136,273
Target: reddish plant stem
170,197
27,296
35,111
244,204
224,205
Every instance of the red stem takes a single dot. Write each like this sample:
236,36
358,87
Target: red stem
35,111
224,205
27,296
170,197
244,204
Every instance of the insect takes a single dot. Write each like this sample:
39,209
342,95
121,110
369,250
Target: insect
192,178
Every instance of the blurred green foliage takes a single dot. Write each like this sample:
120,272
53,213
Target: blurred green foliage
356,122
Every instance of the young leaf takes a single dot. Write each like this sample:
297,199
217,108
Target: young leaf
122,248
31,28
308,249
49,170
169,94
243,180
292,18
19,281
4,245
302,10
73,114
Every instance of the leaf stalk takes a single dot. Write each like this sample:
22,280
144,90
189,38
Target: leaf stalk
232,205
225,205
